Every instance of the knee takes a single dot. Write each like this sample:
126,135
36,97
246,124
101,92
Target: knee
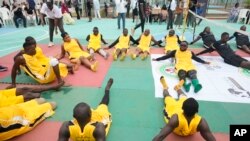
192,74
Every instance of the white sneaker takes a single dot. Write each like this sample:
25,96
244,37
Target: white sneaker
51,44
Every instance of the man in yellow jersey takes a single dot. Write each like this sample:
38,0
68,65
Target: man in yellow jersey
143,49
76,53
122,45
184,66
88,124
94,45
20,95
182,116
21,118
42,71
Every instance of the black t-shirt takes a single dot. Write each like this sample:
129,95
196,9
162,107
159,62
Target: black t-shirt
224,50
28,10
207,38
192,5
18,12
141,2
241,39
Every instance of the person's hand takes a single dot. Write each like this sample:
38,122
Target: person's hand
154,59
208,63
11,86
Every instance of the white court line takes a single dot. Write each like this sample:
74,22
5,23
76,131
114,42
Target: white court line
44,36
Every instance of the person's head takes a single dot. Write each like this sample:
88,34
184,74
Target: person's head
125,32
82,113
146,32
183,45
164,7
236,5
65,36
50,4
29,48
224,37
190,107
207,29
95,30
243,28
30,40
171,32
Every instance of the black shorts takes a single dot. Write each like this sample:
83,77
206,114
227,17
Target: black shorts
240,46
235,60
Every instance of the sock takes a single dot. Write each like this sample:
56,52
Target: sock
179,85
163,82
197,85
94,66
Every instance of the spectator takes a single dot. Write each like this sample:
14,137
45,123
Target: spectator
77,8
5,4
30,14
18,14
121,10
106,9
234,13
89,7
171,10
32,6
97,9
179,12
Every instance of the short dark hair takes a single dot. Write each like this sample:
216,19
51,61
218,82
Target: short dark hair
185,42
63,34
224,34
81,111
190,107
26,44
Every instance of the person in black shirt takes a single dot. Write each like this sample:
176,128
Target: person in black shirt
142,15
207,37
227,53
242,41
122,45
184,66
18,14
29,13
191,18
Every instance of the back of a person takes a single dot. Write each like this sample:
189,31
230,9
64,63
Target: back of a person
171,43
77,135
208,38
185,129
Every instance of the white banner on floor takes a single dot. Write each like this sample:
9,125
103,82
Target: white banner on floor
221,82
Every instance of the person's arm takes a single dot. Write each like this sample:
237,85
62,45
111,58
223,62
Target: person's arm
99,132
169,55
62,53
133,40
114,43
196,39
18,54
64,132
234,35
19,61
103,40
172,124
205,131
197,59
178,39
155,42
88,37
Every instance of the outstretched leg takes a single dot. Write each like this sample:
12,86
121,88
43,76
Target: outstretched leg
192,74
182,74
123,54
165,87
105,99
245,65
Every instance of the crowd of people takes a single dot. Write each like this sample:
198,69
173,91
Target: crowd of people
21,109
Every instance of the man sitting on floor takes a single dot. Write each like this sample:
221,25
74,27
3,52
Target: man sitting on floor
242,41
182,116
42,71
184,66
76,53
88,124
228,54
122,45
21,118
19,95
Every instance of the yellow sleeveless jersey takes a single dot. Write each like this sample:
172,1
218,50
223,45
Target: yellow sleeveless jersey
21,118
43,73
144,43
171,43
183,128
75,52
77,135
94,42
123,42
184,60
8,97
40,56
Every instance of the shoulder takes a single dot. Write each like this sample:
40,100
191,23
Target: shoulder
99,131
